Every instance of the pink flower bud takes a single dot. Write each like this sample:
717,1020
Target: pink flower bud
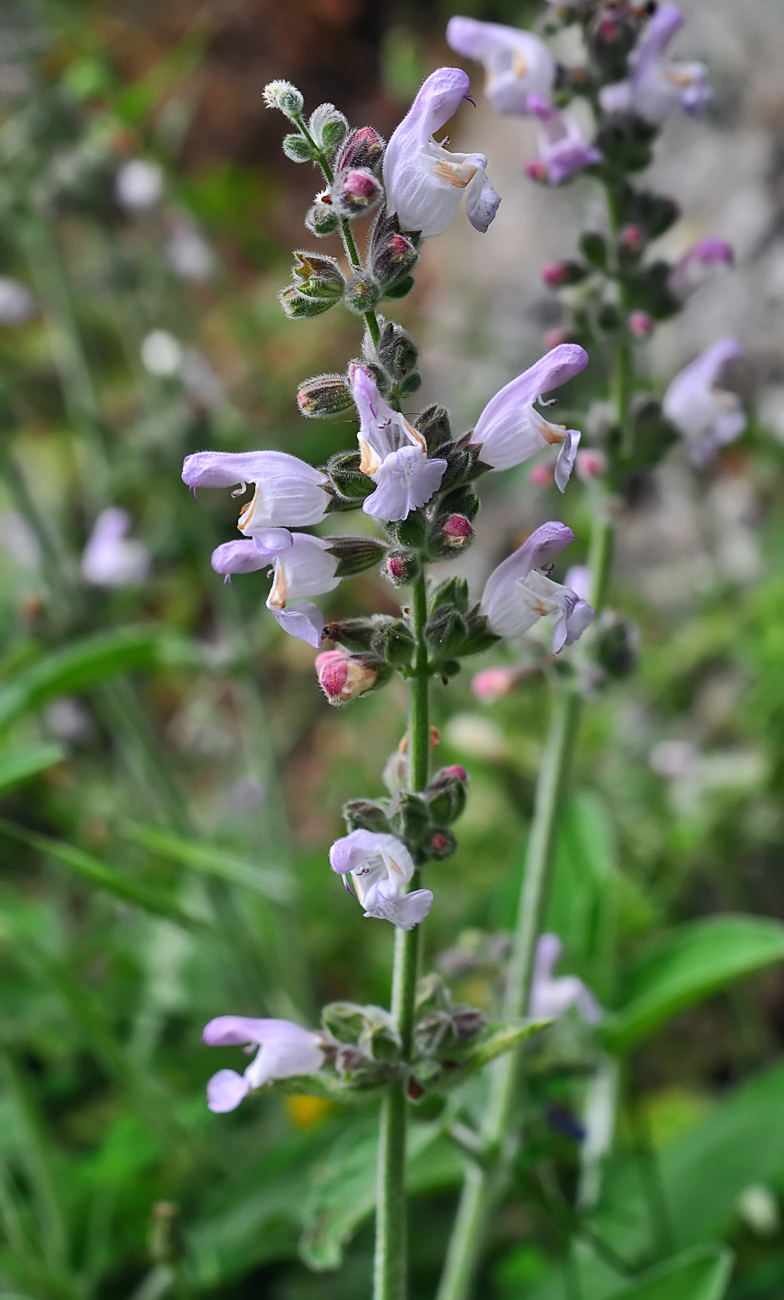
632,237
536,170
494,683
342,677
591,464
640,324
552,274
361,184
561,334
456,770
541,475
457,532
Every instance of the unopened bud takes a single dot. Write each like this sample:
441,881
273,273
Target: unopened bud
298,306
494,683
633,238
344,677
446,794
640,323
285,97
536,170
365,815
591,464
362,293
466,1022
457,532
395,258
344,1021
322,219
541,475
362,148
297,148
558,274
324,395
401,568
397,351
350,482
440,844
328,127
355,554
355,192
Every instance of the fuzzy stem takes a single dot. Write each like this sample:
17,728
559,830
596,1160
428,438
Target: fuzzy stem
391,1253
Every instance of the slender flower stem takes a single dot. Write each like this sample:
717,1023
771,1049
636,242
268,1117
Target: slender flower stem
391,1253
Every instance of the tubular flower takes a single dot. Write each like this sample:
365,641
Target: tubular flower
423,180
563,149
550,997
657,86
516,62
111,558
303,566
285,1049
707,415
289,493
510,430
394,454
380,867
698,265
517,594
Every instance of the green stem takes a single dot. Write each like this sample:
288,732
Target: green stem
391,1253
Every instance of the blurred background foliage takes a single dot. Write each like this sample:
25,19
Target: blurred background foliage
171,778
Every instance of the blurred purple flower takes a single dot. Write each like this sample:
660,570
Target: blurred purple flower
656,86
516,62
563,149
289,492
517,594
550,997
111,558
17,304
509,430
380,866
285,1049
698,265
707,415
394,454
423,180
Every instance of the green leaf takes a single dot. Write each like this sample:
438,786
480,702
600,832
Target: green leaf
76,668
324,1085
701,1274
105,877
213,860
687,965
496,1038
16,768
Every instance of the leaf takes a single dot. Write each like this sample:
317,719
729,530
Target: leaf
213,860
106,877
77,667
701,1274
16,768
687,965
324,1085
496,1038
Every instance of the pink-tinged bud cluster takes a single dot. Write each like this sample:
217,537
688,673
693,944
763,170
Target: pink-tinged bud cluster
457,532
591,464
536,170
343,677
553,274
641,324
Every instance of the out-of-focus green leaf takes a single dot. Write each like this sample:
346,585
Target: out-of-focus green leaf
16,768
212,860
496,1038
701,1274
686,966
106,877
137,100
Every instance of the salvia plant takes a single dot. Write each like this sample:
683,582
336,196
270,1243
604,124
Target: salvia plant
417,479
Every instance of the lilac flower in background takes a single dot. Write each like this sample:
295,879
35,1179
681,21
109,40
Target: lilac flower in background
111,558
657,86
551,997
289,492
138,185
423,180
563,148
303,566
517,63
517,594
380,867
509,430
285,1049
17,304
394,454
697,266
707,415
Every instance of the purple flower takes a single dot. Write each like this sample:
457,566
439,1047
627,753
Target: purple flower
707,415
289,492
698,265
394,454
562,147
550,998
303,566
657,86
111,558
517,594
516,62
17,304
285,1049
380,867
510,430
423,180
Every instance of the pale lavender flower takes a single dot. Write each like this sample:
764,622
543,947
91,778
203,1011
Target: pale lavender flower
517,593
285,1049
563,148
303,566
510,430
423,180
111,558
516,62
289,492
551,997
708,416
17,304
394,454
380,867
138,185
656,85
699,264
